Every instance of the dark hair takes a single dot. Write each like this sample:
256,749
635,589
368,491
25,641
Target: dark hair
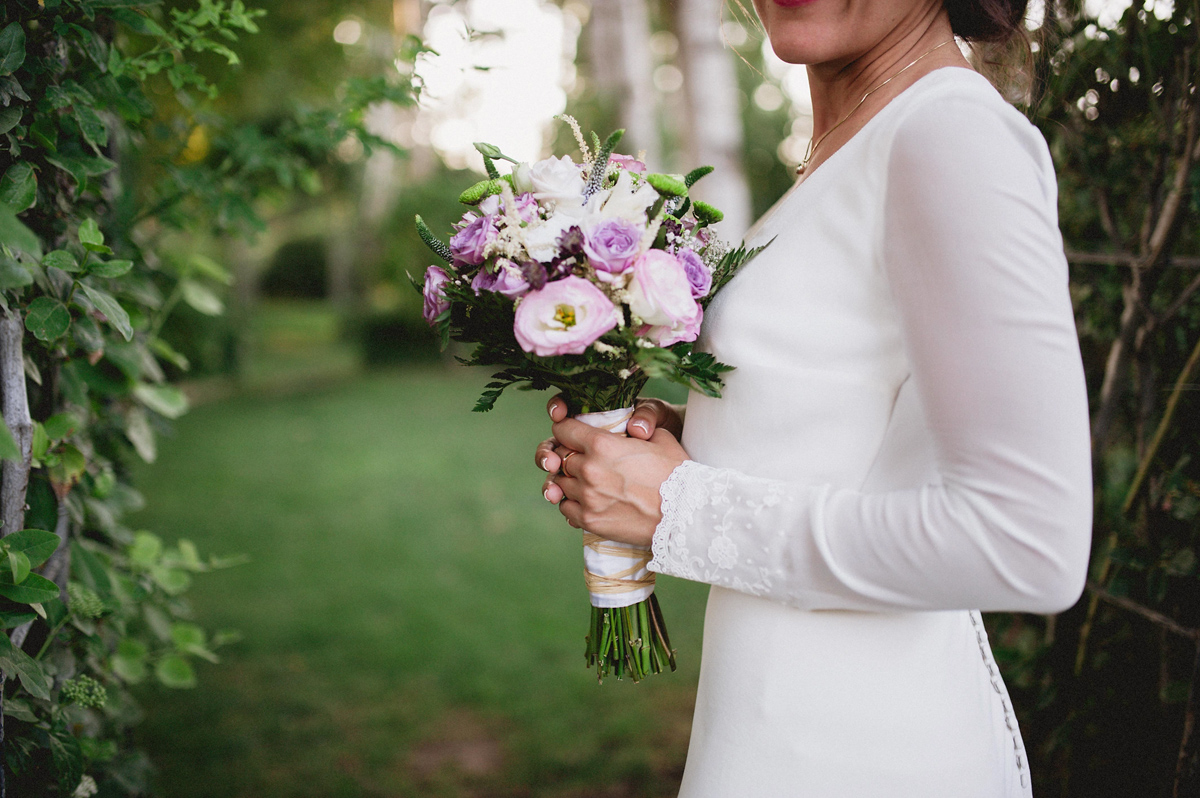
991,21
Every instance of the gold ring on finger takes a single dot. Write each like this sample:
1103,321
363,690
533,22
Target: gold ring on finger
563,466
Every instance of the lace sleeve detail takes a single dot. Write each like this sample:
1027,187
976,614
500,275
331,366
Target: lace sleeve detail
712,530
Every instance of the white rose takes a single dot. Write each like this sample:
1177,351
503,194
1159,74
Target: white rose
557,180
541,240
522,178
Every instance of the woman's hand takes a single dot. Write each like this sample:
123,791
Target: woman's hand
610,483
648,416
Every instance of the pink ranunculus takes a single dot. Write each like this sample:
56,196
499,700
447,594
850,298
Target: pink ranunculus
612,245
697,272
628,163
473,236
660,294
564,318
435,299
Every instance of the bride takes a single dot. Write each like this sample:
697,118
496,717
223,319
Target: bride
903,442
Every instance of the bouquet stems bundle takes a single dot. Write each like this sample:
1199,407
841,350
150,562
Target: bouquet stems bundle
589,277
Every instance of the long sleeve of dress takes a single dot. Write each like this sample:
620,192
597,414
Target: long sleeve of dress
975,264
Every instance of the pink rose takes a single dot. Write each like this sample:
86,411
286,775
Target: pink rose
628,163
660,294
435,300
563,318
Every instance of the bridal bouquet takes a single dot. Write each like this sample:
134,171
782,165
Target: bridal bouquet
591,277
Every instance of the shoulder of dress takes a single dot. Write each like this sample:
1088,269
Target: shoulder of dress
958,107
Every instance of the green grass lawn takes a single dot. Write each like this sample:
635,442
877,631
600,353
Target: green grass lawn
413,610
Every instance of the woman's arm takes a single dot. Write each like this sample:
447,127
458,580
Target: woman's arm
975,261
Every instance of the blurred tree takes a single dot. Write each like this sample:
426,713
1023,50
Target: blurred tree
1108,690
113,152
714,108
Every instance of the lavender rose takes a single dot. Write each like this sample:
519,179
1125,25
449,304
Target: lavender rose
509,279
435,299
697,273
473,236
563,318
660,294
612,245
526,205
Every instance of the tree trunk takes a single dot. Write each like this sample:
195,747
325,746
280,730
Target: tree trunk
714,114
16,416
623,70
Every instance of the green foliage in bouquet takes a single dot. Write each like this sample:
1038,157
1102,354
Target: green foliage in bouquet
102,104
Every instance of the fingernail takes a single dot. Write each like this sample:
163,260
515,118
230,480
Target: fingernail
544,459
640,425
546,494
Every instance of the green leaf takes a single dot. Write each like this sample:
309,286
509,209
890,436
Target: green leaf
9,118
67,755
10,619
15,661
92,127
8,445
13,274
129,670
112,268
61,259
167,353
186,635
33,588
47,318
20,709
15,235
18,187
12,48
90,235
137,430
36,544
18,565
172,580
61,425
146,550
208,267
164,399
41,443
175,671
199,297
81,167
111,309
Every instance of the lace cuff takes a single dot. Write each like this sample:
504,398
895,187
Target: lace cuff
728,529
683,495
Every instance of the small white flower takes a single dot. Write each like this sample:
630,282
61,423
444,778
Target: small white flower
87,788
541,240
723,552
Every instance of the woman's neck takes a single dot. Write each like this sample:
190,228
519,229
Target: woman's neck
838,87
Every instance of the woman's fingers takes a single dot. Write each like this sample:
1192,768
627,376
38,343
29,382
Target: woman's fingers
652,414
557,408
545,457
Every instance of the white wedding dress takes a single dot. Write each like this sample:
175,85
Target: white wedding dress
904,442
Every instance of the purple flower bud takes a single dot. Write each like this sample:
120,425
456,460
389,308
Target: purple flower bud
697,272
474,234
435,299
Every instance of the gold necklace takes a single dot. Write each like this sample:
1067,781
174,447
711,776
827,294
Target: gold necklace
814,143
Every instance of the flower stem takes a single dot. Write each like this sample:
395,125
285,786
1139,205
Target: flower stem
629,640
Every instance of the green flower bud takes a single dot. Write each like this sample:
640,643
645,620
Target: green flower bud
84,691
667,185
84,601
705,213
482,190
